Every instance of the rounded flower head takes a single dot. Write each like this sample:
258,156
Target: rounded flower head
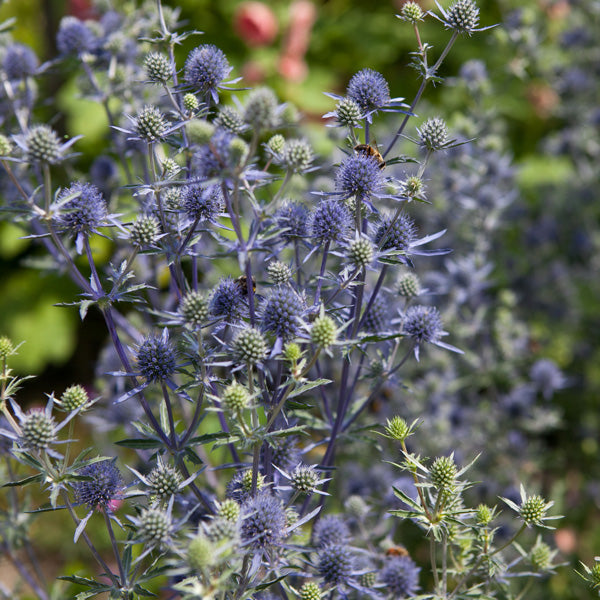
158,67
205,69
279,272
292,218
369,90
547,377
202,203
330,222
411,12
156,358
144,231
19,61
297,155
164,481
282,312
42,145
154,526
85,211
361,252
229,118
398,236
348,112
150,124
38,429
74,397
423,324
193,309
400,575
409,285
335,564
463,16
330,530
261,110
249,346
359,176
263,521
74,37
240,486
433,134
376,320
226,300
104,486
443,472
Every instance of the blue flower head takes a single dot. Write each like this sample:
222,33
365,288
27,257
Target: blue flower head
210,159
226,300
282,312
202,203
330,530
85,211
335,564
104,486
263,521
331,221
74,37
423,324
292,218
358,176
156,358
19,61
369,90
205,69
398,236
400,575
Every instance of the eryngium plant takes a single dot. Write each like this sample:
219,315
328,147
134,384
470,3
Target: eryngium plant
252,315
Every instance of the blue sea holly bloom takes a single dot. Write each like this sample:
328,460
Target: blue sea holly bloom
400,575
423,324
330,222
282,313
358,176
369,89
19,62
205,69
263,521
105,485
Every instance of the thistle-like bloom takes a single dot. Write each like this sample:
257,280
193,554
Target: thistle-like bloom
330,530
202,203
82,209
104,487
547,377
397,236
193,309
262,110
358,176
291,218
347,113
263,521
229,118
400,576
42,145
532,509
240,486
335,564
462,17
330,222
433,134
74,37
297,155
424,324
226,300
158,67
150,124
249,346
205,69
282,312
145,231
369,90
156,358
19,62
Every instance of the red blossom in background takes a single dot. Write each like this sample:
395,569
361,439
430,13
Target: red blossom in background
255,23
291,63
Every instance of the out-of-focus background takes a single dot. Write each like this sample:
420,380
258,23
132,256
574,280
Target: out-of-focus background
531,95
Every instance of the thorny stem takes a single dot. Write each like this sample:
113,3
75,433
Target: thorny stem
87,540
115,547
429,74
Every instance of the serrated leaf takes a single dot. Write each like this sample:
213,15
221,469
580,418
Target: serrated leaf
25,481
305,387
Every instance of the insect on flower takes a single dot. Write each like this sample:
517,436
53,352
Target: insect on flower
371,152
242,283
397,551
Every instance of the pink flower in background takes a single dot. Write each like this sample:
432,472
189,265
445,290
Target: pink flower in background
255,23
291,63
